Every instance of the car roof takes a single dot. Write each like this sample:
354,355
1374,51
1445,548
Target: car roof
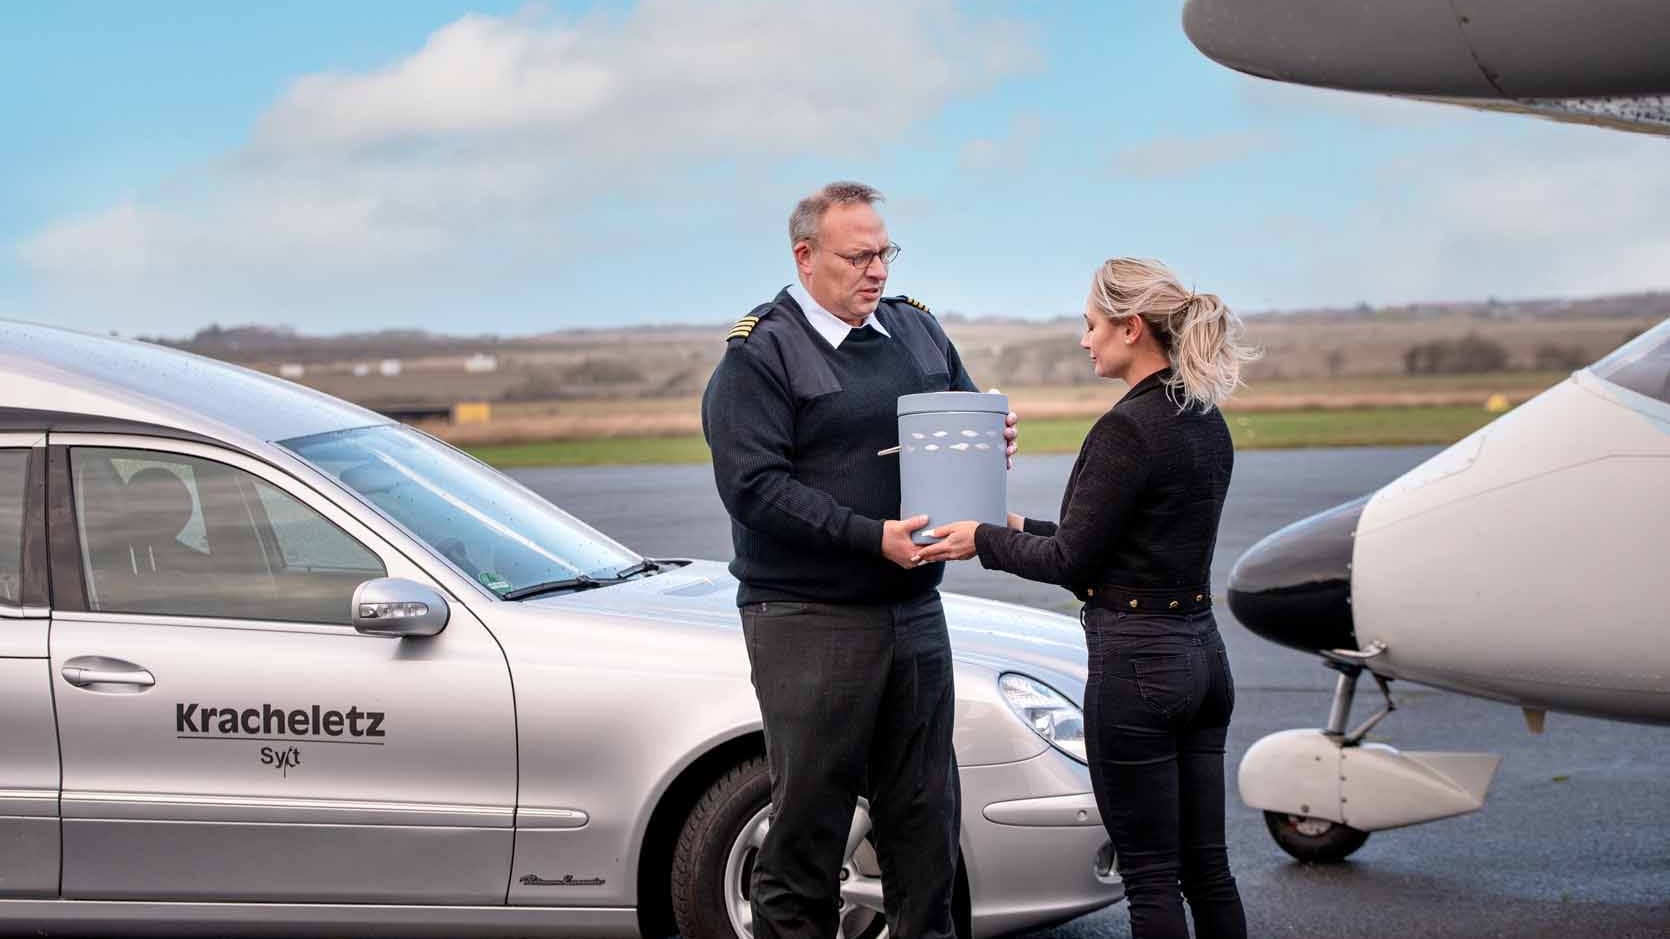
70,375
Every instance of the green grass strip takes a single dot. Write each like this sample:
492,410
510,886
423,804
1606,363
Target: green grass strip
1263,430
595,451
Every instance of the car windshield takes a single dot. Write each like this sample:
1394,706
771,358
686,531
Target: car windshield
489,526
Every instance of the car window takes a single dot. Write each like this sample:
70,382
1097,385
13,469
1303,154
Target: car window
307,542
179,535
1642,365
492,529
14,471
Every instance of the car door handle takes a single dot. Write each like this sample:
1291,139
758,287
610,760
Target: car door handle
81,676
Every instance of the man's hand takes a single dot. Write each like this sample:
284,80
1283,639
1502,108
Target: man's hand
1011,434
958,543
896,545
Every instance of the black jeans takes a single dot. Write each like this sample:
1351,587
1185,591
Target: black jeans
856,700
1156,711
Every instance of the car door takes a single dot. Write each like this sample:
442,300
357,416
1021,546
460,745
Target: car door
28,743
226,734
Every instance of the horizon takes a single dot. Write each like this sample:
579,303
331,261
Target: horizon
992,318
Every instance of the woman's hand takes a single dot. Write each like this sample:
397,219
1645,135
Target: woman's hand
958,543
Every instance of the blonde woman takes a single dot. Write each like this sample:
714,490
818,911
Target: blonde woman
1138,524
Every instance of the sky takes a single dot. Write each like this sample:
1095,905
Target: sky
512,168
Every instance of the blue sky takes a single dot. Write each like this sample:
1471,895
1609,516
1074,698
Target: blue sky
512,168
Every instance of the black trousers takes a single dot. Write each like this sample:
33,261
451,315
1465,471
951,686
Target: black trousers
856,700
1156,712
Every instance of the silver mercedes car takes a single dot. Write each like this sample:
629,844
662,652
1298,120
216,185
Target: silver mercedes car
269,661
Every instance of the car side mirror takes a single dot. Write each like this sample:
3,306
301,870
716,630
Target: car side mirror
397,607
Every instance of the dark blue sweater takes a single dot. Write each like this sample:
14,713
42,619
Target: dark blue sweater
794,427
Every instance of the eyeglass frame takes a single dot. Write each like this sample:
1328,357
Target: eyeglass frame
888,255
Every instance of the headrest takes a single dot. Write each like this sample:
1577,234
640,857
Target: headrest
158,502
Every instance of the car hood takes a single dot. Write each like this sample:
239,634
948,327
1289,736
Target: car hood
984,633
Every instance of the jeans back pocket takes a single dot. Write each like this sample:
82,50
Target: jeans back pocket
1165,680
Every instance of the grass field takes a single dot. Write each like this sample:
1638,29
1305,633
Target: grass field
1259,430
596,451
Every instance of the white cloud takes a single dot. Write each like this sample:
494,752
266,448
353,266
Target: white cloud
1560,211
500,132
478,76
670,77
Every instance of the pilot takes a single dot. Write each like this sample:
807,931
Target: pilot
845,634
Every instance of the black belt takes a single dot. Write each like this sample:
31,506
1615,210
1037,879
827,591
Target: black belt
1149,599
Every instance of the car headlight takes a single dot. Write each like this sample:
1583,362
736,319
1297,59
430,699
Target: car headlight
1047,711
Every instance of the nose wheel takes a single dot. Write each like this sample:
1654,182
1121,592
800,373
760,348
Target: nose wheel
1313,840
1318,840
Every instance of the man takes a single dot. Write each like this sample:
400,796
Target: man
845,632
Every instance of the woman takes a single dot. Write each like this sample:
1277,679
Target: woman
1138,524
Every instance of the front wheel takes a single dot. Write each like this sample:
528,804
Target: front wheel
1314,840
713,865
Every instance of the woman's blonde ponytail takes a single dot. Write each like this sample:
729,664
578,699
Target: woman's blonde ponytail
1200,333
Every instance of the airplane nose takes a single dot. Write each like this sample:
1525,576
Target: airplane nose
1294,587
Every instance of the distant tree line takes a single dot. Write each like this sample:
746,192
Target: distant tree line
1472,354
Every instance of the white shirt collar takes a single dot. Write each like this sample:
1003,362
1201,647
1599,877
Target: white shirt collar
832,328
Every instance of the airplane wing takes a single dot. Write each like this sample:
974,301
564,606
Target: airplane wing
1594,62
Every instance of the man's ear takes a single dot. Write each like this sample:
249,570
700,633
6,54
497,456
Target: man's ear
803,256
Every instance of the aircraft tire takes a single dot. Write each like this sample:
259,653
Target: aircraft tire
1305,840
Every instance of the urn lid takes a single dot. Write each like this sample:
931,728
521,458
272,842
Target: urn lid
947,401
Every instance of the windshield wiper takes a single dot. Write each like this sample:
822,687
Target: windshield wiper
582,582
646,566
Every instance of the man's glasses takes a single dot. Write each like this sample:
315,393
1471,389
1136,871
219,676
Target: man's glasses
862,259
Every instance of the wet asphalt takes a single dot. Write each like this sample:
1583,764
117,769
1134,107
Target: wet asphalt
1574,839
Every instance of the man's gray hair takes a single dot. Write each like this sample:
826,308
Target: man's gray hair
803,222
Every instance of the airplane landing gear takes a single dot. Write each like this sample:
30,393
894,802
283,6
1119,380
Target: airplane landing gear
1318,840
1323,791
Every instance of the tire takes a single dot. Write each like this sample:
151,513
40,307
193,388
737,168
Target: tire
1314,840
714,858
699,890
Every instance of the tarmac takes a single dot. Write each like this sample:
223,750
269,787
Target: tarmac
1574,838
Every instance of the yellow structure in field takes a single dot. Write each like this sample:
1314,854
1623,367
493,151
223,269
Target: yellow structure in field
1497,403
472,412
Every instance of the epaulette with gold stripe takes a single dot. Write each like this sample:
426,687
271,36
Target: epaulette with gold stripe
746,325
913,302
